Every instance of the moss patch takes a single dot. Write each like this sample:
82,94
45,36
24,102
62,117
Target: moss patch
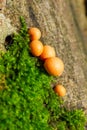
27,102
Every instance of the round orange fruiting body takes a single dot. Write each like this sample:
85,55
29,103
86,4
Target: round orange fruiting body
34,33
54,66
36,47
60,90
48,52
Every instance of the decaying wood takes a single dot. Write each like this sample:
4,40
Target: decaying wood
56,20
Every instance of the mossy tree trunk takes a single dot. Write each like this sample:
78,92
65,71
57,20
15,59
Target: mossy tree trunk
57,21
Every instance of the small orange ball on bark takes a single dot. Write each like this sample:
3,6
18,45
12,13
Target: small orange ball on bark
36,47
54,66
48,51
34,33
60,90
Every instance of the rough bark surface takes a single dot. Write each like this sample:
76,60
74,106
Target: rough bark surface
56,20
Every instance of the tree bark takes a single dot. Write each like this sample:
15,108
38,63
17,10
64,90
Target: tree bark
57,21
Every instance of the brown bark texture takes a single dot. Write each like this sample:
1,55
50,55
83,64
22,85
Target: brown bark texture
57,21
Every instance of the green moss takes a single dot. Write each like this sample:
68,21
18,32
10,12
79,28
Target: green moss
28,102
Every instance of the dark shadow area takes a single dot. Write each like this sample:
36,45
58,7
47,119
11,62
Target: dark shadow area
8,41
85,4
